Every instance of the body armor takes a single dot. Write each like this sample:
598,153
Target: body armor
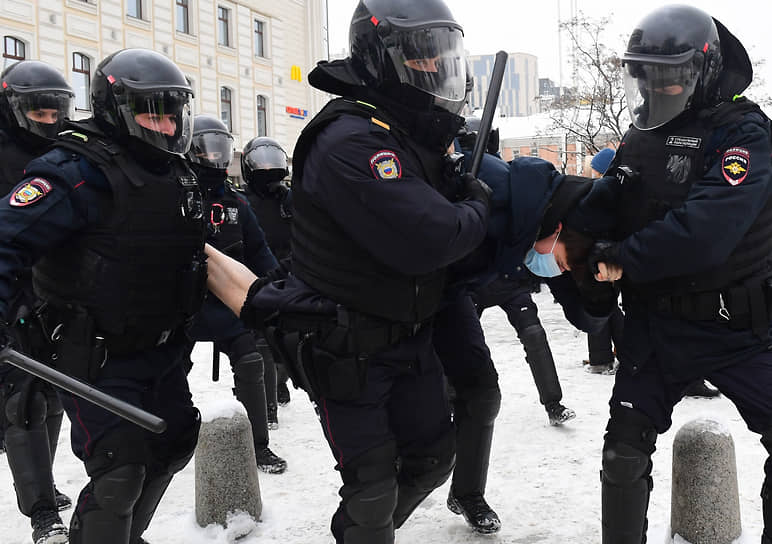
138,271
328,260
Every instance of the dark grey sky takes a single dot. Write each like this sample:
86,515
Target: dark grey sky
531,27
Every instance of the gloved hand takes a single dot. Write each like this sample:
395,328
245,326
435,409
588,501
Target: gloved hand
278,190
603,251
473,188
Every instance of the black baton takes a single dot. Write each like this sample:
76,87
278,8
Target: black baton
85,391
483,134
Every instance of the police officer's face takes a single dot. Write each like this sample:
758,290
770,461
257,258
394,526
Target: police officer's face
164,123
669,90
47,116
424,65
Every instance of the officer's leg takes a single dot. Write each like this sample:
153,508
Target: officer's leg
117,467
28,446
626,476
368,498
766,489
159,475
600,352
460,344
249,385
270,370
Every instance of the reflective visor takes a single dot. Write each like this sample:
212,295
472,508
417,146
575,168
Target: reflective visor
266,157
432,60
657,93
41,112
161,118
212,149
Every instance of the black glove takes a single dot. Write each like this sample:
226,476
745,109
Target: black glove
599,298
602,251
278,190
475,189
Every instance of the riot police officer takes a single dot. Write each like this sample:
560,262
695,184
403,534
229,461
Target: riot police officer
264,168
233,228
112,220
35,99
371,239
692,235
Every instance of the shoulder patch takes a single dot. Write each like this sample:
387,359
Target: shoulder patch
385,165
735,165
30,192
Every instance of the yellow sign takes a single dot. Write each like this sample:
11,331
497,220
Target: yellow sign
295,73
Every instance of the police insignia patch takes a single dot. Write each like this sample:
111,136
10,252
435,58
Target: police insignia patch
29,193
385,165
735,165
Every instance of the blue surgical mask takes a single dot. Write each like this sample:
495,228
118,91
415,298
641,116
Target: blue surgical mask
543,264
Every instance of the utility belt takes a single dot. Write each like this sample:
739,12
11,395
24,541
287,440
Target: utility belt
740,307
327,356
77,346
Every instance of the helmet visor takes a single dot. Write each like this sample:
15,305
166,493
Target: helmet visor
432,60
266,157
658,93
41,112
212,149
161,118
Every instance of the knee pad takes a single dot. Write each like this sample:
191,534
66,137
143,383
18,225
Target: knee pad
26,408
629,442
369,492
527,316
54,404
249,368
479,404
117,490
184,446
430,468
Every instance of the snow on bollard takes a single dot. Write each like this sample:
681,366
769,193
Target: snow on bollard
705,504
226,470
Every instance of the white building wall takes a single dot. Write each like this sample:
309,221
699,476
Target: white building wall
295,35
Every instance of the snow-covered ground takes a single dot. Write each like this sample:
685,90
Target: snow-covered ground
543,480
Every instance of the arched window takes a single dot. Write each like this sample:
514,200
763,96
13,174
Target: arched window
262,115
226,110
14,51
81,81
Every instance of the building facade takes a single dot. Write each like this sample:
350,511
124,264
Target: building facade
247,60
519,90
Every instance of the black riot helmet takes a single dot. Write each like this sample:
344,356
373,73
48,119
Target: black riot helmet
35,97
411,51
141,94
212,144
263,165
672,63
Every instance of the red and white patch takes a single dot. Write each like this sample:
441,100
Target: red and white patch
735,164
30,192
386,166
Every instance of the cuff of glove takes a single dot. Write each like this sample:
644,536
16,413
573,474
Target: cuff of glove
248,315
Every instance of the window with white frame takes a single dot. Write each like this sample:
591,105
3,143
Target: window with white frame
134,8
262,115
226,107
81,81
259,29
14,50
223,26
183,16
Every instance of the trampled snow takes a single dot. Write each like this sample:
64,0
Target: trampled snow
543,480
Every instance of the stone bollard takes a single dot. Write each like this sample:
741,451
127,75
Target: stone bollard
705,504
226,471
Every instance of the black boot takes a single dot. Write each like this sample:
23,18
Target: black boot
269,462
701,389
559,414
545,376
47,527
283,394
273,417
476,512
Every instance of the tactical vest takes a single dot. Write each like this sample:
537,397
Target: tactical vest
328,260
221,213
138,271
665,163
276,222
13,159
